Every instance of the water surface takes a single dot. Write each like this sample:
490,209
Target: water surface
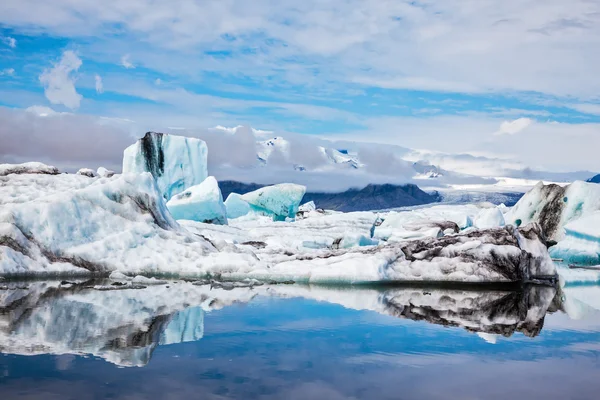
180,341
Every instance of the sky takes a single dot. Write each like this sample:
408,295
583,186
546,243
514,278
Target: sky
515,79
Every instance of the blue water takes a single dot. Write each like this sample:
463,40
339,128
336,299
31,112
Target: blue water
297,348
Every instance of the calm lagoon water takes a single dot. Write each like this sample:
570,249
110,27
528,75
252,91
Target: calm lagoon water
75,342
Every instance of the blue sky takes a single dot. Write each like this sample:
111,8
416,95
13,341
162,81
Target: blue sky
449,76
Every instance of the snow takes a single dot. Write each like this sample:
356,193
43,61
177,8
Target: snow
202,203
280,200
235,206
28,168
489,218
176,162
554,206
87,172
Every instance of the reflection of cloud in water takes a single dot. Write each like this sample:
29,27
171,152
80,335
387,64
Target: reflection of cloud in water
125,326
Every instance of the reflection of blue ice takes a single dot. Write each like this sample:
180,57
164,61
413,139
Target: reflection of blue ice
185,326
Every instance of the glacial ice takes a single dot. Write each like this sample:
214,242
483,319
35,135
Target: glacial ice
202,203
553,206
235,206
281,200
176,162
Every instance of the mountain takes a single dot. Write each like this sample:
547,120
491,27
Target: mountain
371,197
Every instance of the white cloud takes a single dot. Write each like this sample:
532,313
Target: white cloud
513,127
9,41
158,82
99,85
431,45
59,82
41,111
7,72
126,63
586,108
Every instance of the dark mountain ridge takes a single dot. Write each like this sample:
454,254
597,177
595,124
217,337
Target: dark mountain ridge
371,197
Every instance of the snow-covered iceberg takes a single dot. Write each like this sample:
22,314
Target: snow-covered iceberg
87,172
176,162
554,206
433,221
203,203
105,173
70,224
503,254
280,200
28,168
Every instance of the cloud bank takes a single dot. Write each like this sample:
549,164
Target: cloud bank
59,82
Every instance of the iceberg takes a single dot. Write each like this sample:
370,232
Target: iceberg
176,162
86,226
280,200
28,168
105,173
202,203
553,206
489,218
235,206
307,207
504,254
434,221
581,244
87,172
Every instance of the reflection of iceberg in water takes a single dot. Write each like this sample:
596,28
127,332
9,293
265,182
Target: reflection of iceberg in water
499,313
185,326
125,326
